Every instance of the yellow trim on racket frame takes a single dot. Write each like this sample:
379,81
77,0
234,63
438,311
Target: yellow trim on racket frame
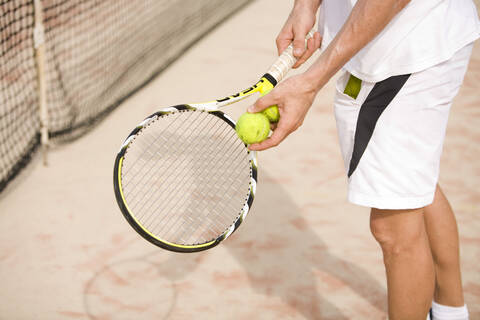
263,86
143,228
133,221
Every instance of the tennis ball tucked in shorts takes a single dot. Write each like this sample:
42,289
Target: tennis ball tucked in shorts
252,127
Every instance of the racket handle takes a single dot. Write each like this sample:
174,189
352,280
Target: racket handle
286,61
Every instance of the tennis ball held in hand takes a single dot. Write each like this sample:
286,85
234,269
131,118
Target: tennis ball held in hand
271,112
252,127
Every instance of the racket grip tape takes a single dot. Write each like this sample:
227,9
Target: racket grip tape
286,61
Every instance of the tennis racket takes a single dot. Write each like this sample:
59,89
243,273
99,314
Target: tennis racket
183,179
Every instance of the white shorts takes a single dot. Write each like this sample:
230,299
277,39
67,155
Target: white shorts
391,136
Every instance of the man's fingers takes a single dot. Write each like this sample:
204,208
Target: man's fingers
284,38
312,45
318,39
298,45
263,103
282,44
278,136
307,54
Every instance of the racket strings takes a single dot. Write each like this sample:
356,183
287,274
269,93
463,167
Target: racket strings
227,196
221,221
146,147
179,183
152,144
186,177
198,208
178,186
172,171
227,223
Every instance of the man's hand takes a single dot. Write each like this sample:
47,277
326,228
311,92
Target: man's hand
300,21
293,97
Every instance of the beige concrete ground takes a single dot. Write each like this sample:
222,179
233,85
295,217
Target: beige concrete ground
304,253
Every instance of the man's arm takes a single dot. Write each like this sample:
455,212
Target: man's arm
367,20
295,95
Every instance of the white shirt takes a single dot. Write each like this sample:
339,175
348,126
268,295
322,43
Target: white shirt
423,34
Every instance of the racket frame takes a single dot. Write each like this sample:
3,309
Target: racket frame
136,224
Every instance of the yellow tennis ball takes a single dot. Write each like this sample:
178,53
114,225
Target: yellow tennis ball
272,113
252,127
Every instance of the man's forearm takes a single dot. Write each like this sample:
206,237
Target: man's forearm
310,4
368,19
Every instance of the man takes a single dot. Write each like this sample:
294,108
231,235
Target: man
403,62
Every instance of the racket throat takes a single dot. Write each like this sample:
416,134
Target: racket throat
263,86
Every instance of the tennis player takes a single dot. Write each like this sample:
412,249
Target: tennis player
402,62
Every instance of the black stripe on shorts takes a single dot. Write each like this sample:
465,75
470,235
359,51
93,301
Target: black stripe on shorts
376,102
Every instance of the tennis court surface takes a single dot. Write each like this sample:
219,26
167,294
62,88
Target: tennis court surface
66,252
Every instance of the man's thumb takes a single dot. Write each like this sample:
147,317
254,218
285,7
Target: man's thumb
261,104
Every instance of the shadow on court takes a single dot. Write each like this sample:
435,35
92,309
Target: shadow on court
279,257
285,257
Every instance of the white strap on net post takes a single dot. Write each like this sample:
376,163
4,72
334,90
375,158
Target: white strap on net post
39,43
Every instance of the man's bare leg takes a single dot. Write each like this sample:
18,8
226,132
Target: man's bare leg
408,261
442,233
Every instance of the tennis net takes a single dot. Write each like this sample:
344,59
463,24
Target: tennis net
96,54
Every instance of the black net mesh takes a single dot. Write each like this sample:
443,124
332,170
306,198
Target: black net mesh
19,124
98,52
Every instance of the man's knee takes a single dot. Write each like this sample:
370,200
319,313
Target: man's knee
397,232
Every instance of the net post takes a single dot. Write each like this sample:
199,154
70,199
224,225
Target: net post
39,43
